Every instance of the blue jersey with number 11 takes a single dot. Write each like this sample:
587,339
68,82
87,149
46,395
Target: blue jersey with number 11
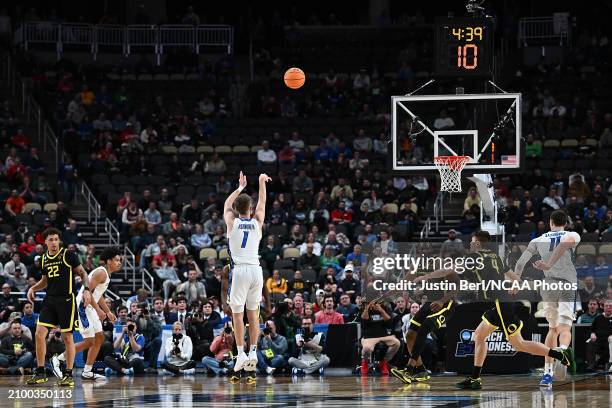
244,241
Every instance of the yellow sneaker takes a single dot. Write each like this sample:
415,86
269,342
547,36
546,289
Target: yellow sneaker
66,381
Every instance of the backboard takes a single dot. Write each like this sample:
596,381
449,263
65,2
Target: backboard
485,127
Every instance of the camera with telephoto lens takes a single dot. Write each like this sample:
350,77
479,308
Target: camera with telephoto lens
58,335
176,338
196,315
227,330
131,327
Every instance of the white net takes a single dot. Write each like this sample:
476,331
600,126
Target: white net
450,172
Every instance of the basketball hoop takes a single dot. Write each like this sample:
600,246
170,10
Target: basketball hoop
450,171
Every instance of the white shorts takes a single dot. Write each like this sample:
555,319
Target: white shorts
246,285
89,324
559,307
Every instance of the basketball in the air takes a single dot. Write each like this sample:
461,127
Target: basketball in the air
294,78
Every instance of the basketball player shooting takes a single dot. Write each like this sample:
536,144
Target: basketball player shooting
246,276
91,316
555,249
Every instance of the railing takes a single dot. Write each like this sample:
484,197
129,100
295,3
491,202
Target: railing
109,293
125,38
129,263
93,207
426,229
112,231
536,30
146,278
438,209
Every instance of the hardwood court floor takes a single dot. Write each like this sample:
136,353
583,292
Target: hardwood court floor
329,391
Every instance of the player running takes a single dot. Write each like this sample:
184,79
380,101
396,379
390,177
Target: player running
59,305
556,250
246,275
91,317
501,314
430,317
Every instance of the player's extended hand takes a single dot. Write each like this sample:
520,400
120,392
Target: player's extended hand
31,295
264,177
111,317
539,264
242,181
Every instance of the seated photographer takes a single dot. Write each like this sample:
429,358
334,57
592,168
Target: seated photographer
178,352
310,357
221,348
201,333
16,350
375,320
130,346
55,347
151,331
271,348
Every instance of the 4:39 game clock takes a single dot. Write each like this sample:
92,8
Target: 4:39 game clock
463,47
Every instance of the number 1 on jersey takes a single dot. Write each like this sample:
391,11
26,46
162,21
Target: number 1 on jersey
554,242
244,239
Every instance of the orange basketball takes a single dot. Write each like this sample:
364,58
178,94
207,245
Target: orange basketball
295,78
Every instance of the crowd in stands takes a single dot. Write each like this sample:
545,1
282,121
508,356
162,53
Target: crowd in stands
163,158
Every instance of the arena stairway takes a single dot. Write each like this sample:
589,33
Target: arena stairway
453,209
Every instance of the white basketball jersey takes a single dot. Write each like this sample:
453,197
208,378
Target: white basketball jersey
545,245
244,241
100,288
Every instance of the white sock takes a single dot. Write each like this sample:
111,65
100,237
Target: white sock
548,368
253,349
62,357
562,346
87,368
610,350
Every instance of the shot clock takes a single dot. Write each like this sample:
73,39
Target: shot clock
463,47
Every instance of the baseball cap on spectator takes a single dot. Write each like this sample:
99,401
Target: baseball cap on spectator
15,315
452,231
47,221
349,267
319,292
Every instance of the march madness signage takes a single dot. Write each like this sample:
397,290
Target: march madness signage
501,357
497,345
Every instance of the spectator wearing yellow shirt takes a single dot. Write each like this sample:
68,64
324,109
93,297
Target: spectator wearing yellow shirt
276,284
471,199
87,96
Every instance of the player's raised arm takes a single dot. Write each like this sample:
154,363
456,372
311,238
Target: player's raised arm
260,210
228,211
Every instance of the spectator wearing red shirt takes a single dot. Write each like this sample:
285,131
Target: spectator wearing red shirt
21,140
341,215
106,152
328,315
27,247
66,85
163,256
17,171
15,204
286,155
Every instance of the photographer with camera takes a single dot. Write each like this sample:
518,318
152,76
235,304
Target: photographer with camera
179,350
5,328
151,331
221,348
310,357
200,329
55,347
129,359
271,349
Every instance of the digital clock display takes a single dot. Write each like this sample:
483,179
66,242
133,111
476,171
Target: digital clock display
463,47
